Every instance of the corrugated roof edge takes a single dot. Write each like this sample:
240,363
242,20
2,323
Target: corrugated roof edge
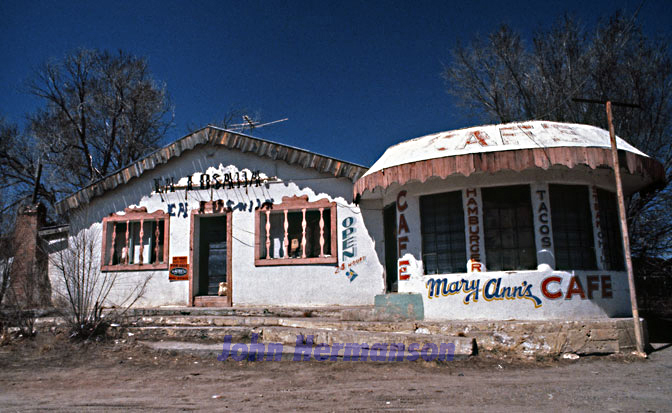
218,136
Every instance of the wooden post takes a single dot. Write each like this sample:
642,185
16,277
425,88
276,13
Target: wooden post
114,237
624,231
303,234
142,234
285,242
321,232
639,334
268,234
157,233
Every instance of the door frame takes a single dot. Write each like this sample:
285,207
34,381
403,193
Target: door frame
207,210
391,269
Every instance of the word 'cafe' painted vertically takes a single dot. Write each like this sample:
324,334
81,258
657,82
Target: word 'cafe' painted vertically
402,237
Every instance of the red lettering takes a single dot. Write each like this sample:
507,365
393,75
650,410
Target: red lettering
471,191
606,287
592,283
477,137
403,275
549,294
473,220
400,206
402,243
575,288
403,226
475,267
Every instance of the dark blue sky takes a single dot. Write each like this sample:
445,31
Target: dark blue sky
352,77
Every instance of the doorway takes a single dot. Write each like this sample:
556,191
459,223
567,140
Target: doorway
212,252
390,234
211,278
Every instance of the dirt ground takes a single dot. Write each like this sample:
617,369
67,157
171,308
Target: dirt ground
51,373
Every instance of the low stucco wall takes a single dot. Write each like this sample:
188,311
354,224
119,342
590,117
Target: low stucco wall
522,295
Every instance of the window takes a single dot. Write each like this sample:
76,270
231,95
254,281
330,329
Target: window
442,227
508,228
136,240
610,227
296,232
572,227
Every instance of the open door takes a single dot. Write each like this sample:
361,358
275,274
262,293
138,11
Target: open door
390,229
211,278
212,250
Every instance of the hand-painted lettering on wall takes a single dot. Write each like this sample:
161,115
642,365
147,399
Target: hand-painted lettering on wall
207,181
492,290
349,249
474,230
347,265
542,219
402,241
182,211
403,269
550,287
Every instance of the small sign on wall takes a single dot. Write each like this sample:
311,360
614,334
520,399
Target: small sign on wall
179,269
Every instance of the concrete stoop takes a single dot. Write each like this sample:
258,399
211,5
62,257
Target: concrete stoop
330,325
548,337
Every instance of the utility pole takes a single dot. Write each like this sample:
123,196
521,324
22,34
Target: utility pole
624,223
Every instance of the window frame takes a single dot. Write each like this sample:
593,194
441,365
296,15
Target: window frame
293,204
515,230
612,239
135,215
561,195
424,217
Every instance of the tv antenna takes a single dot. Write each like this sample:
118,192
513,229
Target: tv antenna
251,124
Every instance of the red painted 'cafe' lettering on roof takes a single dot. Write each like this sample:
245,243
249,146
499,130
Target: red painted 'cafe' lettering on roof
511,146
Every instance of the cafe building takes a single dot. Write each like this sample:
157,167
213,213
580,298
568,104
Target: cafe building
512,221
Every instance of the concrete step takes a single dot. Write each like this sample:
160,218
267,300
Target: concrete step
296,336
288,352
186,333
334,312
255,321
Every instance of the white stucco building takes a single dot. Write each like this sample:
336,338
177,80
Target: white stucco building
514,221
275,224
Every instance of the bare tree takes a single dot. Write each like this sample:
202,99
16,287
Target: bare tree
90,300
501,79
102,111
19,156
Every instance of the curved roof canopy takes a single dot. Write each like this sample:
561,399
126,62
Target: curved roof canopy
512,146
